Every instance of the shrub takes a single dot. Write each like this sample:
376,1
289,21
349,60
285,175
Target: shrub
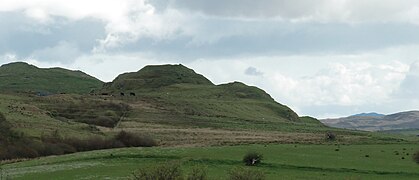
330,136
197,173
2,118
132,140
252,159
246,174
166,171
416,157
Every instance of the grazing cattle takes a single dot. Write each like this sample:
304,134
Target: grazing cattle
122,94
132,94
105,94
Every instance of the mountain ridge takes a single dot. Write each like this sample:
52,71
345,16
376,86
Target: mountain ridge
396,121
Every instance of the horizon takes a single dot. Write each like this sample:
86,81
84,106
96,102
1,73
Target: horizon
322,59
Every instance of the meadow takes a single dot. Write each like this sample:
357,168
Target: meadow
281,161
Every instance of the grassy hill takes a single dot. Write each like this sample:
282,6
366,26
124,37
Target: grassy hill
171,103
22,77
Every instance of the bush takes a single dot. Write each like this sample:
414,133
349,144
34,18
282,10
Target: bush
416,157
2,118
197,173
132,140
246,174
330,136
252,159
14,145
167,171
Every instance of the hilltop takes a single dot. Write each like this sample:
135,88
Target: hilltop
157,76
372,114
23,77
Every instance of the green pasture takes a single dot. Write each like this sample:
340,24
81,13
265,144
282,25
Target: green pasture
281,161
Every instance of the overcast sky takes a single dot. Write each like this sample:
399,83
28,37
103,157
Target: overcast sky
324,58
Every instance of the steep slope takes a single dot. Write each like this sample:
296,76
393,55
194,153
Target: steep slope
22,77
181,90
398,121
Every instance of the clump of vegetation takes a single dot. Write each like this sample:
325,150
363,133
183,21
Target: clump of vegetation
330,136
416,157
55,144
167,171
92,112
246,174
197,173
132,140
252,158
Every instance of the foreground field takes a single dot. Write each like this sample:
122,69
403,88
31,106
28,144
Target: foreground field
287,161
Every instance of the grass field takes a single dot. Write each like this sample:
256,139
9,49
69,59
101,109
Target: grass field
284,161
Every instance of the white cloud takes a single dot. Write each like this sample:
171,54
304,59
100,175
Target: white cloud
126,20
410,84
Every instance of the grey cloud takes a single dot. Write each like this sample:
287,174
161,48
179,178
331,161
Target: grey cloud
23,36
347,11
267,38
63,52
252,71
251,8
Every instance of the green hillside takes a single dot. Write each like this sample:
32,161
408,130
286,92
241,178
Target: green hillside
170,103
22,77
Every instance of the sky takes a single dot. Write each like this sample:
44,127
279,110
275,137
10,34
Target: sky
323,58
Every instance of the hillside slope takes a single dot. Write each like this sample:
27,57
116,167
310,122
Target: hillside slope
22,77
397,121
171,103
181,90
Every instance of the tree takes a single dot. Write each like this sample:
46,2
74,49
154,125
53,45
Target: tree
330,136
252,159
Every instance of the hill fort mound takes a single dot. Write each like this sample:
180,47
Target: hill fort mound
157,76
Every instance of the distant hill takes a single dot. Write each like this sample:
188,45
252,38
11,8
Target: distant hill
372,114
23,77
377,122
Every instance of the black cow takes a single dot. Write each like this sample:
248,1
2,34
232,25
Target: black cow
132,94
